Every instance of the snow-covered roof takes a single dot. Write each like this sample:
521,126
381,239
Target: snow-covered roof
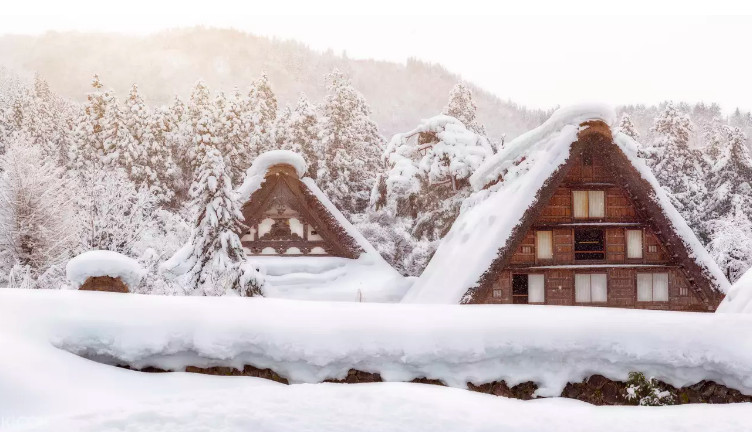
489,216
104,263
367,278
739,297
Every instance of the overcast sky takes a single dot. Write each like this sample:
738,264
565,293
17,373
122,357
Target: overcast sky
539,61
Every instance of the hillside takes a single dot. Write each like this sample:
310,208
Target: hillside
169,63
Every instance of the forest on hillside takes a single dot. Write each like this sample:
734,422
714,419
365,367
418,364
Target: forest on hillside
114,172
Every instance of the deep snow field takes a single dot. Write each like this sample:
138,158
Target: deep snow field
43,387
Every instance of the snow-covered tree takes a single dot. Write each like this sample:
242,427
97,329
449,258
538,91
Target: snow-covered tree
352,145
679,168
304,135
235,137
261,115
37,222
647,391
203,116
730,175
113,213
462,107
212,259
627,127
731,242
100,131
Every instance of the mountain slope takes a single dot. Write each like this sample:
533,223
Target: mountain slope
168,63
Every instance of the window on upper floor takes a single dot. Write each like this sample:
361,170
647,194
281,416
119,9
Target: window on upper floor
589,244
589,204
634,244
544,245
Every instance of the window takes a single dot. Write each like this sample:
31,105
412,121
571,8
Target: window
589,245
590,288
497,293
634,244
652,248
527,249
652,287
528,288
544,244
588,204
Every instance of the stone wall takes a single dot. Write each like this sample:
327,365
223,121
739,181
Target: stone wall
597,389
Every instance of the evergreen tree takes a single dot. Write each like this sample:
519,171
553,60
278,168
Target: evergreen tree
260,117
730,244
203,117
212,258
677,167
352,146
304,135
98,130
627,127
730,176
462,107
236,138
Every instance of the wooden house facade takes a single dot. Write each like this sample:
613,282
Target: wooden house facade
595,233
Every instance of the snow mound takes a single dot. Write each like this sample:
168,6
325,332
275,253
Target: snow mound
275,157
104,263
312,341
739,297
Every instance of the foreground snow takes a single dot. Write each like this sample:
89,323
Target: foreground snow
392,407
45,388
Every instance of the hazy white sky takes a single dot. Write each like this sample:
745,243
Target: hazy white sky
541,61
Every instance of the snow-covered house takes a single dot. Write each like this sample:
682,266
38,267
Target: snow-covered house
306,246
569,214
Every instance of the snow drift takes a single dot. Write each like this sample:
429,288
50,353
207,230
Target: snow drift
104,263
313,341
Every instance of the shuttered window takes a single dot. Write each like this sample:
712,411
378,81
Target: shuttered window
634,244
596,204
652,287
536,288
588,204
544,244
580,204
590,288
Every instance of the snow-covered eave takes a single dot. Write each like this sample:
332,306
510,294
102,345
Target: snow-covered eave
493,167
694,247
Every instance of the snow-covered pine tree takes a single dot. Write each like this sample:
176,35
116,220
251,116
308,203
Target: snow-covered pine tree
304,131
203,117
212,259
730,175
282,138
38,227
462,107
352,146
136,118
260,117
679,168
236,138
627,127
99,131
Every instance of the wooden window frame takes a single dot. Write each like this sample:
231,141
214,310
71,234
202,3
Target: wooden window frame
587,201
601,251
526,296
642,245
590,275
652,287
537,249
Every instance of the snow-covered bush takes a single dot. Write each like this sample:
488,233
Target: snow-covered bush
647,392
37,223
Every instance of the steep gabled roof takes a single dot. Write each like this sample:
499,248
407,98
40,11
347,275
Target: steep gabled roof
354,270
513,186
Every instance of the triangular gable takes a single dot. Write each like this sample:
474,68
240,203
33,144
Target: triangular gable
285,218
640,191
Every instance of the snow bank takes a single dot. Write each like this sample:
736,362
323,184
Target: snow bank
312,341
104,263
739,297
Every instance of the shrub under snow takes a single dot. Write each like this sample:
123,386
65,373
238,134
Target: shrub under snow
104,263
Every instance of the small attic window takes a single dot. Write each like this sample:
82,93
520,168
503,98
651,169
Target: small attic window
587,157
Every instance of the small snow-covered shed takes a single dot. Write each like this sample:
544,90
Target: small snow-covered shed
103,270
569,214
308,248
